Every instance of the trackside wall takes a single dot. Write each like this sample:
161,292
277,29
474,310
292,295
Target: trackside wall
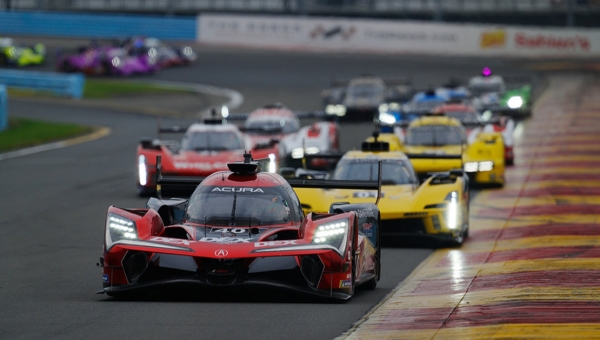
395,36
96,25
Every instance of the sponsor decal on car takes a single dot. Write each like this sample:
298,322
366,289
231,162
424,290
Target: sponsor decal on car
345,283
170,240
199,165
274,243
366,194
224,240
238,189
105,278
221,253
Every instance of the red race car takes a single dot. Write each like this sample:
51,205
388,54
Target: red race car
242,228
206,147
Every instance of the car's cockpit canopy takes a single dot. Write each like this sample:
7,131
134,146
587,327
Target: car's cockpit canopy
435,135
242,206
223,140
393,171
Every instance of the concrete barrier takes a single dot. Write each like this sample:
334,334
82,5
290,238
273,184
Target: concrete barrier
70,85
3,108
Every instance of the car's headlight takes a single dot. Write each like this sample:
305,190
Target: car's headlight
452,212
116,62
478,166
272,163
515,102
119,228
387,118
142,170
338,110
333,233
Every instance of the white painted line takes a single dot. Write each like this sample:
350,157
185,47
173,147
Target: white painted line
98,133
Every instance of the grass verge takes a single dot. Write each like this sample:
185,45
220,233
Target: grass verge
23,133
104,88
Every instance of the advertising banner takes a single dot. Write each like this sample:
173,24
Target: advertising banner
393,36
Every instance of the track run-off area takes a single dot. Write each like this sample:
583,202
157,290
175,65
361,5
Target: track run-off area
540,226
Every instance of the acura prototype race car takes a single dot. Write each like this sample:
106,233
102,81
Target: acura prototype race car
436,208
205,147
360,97
242,229
11,54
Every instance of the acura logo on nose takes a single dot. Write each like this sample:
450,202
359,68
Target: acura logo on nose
221,253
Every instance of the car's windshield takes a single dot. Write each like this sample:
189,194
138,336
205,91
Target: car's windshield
435,135
392,171
211,141
463,116
481,88
272,126
240,206
365,90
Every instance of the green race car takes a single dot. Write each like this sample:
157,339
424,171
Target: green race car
13,55
517,101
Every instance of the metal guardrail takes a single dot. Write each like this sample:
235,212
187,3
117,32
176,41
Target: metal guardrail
70,85
3,108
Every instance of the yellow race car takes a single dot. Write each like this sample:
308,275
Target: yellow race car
439,143
438,207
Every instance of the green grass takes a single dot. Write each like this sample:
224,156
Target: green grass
103,88
22,133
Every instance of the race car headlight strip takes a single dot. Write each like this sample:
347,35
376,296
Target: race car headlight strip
332,233
338,110
299,152
120,228
452,212
479,166
142,170
515,102
387,118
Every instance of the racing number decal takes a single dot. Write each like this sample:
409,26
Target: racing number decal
229,230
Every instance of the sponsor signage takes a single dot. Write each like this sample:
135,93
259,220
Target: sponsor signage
394,36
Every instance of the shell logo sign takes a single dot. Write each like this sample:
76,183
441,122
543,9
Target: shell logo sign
491,39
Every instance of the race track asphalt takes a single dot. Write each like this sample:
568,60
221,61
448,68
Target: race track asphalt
53,206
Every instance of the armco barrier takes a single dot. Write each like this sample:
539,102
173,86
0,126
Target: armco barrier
102,26
3,108
70,85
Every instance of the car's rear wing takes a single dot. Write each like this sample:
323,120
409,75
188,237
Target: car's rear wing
179,183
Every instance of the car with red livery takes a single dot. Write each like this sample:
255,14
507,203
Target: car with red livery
242,229
205,147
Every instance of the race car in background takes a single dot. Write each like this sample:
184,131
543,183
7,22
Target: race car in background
241,230
476,123
205,147
436,208
421,103
276,124
360,98
12,54
165,55
509,96
482,158
106,60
